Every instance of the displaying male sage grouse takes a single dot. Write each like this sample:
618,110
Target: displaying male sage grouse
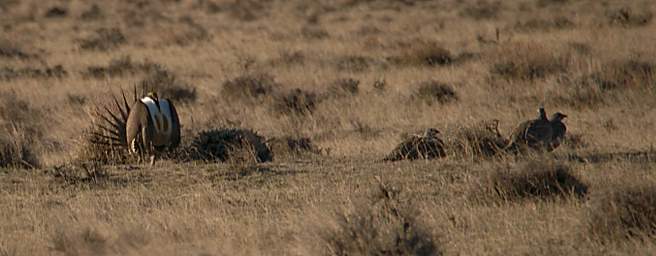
149,125
538,134
425,146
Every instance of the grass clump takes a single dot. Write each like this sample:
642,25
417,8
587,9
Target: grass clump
16,150
536,179
623,212
230,144
10,73
433,91
427,54
388,225
482,10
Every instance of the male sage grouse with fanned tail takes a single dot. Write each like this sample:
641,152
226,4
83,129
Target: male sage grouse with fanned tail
425,146
538,134
146,126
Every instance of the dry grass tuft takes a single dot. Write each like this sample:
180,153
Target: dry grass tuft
56,12
624,211
478,140
388,225
433,91
105,39
295,102
21,133
353,63
93,13
249,87
13,51
536,179
230,144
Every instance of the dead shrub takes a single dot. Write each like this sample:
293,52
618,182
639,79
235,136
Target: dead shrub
249,87
622,212
627,17
289,147
104,39
295,102
230,145
344,87
120,67
387,225
481,139
9,73
528,61
167,85
482,10
536,179
433,91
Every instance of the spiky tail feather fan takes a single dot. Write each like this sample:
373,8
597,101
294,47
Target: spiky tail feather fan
106,140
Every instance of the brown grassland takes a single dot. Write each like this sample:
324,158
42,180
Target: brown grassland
352,78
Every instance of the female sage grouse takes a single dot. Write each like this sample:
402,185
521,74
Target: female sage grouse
425,146
538,134
149,125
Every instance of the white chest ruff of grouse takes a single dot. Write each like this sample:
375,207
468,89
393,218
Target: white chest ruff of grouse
160,114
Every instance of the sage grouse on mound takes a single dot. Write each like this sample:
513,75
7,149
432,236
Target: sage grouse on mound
538,134
425,146
149,125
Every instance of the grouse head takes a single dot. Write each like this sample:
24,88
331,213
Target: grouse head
558,116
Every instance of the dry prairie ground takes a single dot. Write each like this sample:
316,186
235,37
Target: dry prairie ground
353,77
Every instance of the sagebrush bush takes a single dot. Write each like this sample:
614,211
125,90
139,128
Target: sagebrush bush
433,91
482,10
428,54
623,211
9,73
628,17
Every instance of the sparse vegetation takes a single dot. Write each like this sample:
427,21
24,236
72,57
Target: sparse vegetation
331,87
